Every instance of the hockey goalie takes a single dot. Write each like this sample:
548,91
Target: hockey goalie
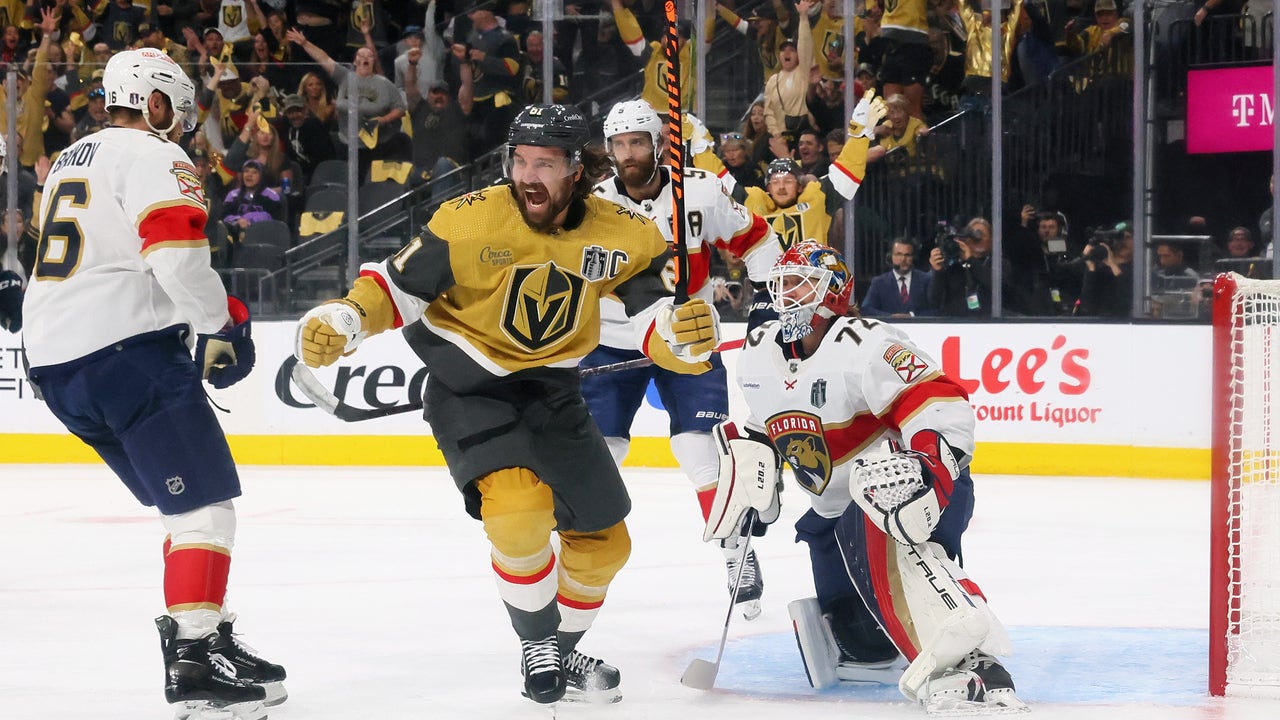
880,440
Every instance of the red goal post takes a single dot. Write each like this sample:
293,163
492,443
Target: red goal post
1244,568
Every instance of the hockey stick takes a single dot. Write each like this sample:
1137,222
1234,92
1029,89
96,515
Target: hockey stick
675,152
701,675
645,362
317,393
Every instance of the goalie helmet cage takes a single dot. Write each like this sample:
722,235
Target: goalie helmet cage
1244,596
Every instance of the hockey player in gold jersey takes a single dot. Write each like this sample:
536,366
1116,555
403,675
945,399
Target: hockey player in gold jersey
500,296
800,211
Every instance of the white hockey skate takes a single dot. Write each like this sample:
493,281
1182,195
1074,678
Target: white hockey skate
978,685
750,587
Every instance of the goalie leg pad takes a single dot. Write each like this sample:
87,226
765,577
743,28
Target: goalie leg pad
817,647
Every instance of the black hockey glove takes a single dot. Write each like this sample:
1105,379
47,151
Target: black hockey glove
10,301
761,310
226,357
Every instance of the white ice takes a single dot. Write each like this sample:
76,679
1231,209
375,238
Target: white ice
373,588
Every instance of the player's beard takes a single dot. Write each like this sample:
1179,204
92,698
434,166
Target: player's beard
637,173
540,205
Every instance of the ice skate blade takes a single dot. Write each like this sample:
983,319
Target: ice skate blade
205,710
750,609
700,675
885,673
1007,704
593,697
276,694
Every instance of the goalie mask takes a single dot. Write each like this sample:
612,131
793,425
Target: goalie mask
809,281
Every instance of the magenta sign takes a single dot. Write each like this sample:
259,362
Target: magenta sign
1229,110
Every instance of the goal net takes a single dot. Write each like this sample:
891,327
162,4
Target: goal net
1244,604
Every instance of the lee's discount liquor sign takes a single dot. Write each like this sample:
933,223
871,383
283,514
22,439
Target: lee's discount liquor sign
1230,110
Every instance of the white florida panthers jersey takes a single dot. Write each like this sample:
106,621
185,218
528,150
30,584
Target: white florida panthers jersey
867,383
122,248
714,220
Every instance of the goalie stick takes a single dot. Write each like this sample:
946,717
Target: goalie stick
701,674
316,392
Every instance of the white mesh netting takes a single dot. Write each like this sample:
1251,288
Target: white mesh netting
1253,635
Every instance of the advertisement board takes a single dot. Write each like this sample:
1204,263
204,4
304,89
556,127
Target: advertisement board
1050,399
1230,109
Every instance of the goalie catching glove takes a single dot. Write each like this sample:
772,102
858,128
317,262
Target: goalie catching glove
868,113
905,491
750,479
227,356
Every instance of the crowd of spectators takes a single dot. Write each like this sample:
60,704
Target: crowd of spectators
435,83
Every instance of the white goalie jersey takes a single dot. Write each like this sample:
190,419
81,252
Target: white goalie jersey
714,220
122,248
866,384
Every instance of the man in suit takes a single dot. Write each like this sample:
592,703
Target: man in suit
901,292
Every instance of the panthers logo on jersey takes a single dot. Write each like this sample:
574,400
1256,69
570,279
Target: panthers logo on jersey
543,305
798,437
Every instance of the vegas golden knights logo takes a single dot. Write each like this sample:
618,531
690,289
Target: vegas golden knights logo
542,306
232,15
123,33
798,437
360,13
789,227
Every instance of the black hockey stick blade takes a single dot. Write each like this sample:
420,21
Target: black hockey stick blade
316,392
701,674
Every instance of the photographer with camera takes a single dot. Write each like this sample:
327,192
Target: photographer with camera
961,263
1107,290
1046,271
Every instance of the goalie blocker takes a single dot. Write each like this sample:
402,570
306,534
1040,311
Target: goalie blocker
750,478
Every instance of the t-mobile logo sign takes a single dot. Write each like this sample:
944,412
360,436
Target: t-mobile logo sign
1230,110
1250,109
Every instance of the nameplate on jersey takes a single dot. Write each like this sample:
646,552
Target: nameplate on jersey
78,156
798,437
905,363
543,305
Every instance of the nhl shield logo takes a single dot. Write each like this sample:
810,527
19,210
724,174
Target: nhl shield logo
798,437
542,305
175,485
818,393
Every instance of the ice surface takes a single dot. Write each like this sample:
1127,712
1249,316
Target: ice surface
373,588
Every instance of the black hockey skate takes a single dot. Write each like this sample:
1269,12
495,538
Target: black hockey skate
750,587
249,666
977,684
591,679
202,684
544,677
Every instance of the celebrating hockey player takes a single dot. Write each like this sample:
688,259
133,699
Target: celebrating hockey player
121,290
827,392
636,142
500,298
805,211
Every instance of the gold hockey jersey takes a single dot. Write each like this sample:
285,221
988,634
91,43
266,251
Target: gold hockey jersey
512,298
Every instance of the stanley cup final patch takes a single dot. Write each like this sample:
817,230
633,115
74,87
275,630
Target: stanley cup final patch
905,363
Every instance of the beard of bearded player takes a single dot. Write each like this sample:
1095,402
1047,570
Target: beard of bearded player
637,172
540,204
